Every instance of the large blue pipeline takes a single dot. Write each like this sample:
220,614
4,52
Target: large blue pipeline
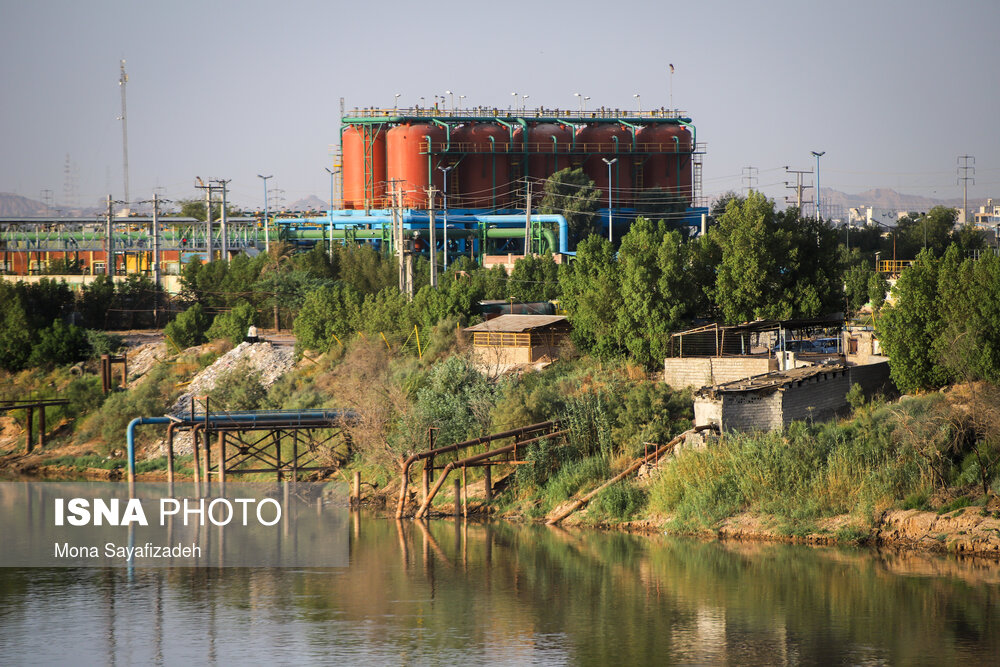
416,219
288,418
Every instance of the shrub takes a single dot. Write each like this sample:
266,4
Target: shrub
239,388
58,345
233,324
188,329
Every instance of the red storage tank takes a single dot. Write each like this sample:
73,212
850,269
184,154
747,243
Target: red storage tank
408,163
548,146
662,145
601,141
484,174
685,184
364,153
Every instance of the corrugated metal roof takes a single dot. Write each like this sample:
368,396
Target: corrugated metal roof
518,323
773,380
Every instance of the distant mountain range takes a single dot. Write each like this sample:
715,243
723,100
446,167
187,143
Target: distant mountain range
12,205
885,198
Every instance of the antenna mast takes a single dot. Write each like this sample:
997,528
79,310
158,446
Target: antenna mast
123,79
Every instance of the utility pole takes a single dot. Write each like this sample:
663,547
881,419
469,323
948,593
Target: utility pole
750,178
223,220
431,192
267,235
445,170
963,176
208,216
798,187
156,256
819,198
109,241
527,222
122,80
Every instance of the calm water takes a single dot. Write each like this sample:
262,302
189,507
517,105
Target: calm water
508,594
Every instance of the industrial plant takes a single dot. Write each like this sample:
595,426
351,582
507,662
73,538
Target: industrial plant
460,182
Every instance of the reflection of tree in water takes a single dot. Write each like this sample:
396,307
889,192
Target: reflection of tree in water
447,591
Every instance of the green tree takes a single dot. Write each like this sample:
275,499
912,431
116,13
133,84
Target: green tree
856,282
572,194
932,230
15,331
670,207
534,278
878,288
591,295
188,328
233,324
908,329
58,345
331,310
655,296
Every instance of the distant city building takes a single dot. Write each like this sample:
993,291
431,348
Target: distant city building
988,215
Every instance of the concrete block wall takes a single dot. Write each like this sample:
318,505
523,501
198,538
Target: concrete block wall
818,398
680,372
751,411
873,378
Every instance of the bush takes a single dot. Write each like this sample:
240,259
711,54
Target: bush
234,324
618,502
239,388
102,342
189,328
58,345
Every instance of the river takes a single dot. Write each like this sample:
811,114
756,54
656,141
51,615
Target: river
498,593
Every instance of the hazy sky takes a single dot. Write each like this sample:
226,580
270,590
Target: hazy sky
892,91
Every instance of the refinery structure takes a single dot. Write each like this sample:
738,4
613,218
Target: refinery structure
463,182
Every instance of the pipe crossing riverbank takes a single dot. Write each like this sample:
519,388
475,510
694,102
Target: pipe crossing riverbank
558,516
532,432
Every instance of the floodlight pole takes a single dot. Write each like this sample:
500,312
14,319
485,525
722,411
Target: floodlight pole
610,218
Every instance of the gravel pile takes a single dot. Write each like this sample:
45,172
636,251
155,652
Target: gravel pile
272,362
142,359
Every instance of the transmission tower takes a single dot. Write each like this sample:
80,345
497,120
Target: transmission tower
749,179
798,187
122,80
964,176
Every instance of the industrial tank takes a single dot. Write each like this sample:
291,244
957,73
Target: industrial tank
547,146
684,182
662,145
410,166
601,141
364,152
484,174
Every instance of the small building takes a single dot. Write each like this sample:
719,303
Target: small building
509,341
773,400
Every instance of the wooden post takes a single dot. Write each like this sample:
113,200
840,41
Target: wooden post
170,459
41,425
425,482
458,497
222,463
356,493
194,459
487,478
29,413
465,493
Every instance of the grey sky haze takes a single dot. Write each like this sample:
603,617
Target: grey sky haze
892,91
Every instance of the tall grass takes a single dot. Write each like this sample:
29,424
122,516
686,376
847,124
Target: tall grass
804,472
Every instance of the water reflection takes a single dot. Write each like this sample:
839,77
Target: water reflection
450,592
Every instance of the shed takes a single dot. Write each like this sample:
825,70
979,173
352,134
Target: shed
513,340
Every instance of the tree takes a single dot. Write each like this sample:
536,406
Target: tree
670,207
774,265
932,230
329,311
188,328
233,325
591,295
655,296
908,329
58,345
15,332
572,194
534,278
195,208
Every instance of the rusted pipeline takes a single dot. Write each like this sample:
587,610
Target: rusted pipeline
405,464
476,459
577,504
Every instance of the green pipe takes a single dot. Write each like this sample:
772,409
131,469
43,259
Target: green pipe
447,135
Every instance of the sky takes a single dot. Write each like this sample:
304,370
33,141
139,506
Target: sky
893,92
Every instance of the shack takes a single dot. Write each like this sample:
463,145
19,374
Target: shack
509,341
773,400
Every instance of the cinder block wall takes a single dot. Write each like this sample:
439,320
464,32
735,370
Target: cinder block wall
704,371
749,411
818,398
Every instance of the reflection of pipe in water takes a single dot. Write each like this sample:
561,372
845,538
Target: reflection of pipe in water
429,537
403,546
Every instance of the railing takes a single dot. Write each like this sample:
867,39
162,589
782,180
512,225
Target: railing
492,112
552,148
893,266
